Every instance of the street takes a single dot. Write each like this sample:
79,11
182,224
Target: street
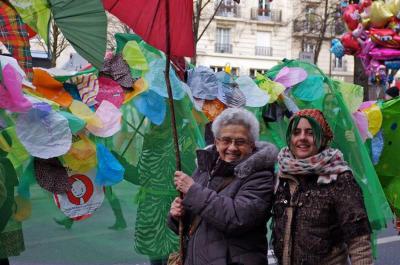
89,242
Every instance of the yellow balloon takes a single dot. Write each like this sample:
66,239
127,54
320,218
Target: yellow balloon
374,116
380,15
393,6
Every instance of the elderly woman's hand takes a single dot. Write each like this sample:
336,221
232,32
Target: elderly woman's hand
176,210
182,181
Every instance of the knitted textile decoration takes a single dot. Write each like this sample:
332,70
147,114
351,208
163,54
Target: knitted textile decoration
318,116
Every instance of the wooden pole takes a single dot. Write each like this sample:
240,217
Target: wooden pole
173,120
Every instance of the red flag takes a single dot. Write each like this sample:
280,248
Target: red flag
147,18
14,36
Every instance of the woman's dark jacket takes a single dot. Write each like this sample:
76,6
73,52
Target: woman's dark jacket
232,227
322,218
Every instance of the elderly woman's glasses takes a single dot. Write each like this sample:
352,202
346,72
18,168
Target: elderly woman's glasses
226,141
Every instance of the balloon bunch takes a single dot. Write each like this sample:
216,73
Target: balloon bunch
373,36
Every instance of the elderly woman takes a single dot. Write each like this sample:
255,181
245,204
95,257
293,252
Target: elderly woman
318,215
228,200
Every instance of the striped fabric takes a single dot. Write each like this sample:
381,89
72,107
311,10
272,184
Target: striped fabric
13,34
88,87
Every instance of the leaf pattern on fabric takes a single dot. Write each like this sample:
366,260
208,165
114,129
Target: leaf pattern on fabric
156,168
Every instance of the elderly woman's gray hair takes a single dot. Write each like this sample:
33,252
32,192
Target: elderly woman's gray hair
237,116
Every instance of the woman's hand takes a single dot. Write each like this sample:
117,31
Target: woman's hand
176,210
182,181
349,135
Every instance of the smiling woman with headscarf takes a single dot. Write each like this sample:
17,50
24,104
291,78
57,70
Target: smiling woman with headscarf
319,215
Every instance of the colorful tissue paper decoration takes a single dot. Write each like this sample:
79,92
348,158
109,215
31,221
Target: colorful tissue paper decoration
11,95
80,124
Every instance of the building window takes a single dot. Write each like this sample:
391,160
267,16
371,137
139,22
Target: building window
223,43
263,44
310,11
228,8
308,47
252,72
311,22
264,8
234,70
308,51
264,12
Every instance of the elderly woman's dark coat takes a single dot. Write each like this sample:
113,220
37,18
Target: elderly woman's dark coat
232,204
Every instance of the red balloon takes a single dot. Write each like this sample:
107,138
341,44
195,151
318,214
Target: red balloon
366,3
350,44
387,38
351,16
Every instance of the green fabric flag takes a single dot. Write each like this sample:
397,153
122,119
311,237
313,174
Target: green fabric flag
388,167
84,25
332,104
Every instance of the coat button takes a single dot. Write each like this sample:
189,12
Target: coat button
300,204
285,201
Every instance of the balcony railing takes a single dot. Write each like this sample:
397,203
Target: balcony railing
266,14
223,48
228,10
263,51
311,1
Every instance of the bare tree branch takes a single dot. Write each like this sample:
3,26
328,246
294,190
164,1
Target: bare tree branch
197,19
201,9
318,26
209,21
321,36
57,43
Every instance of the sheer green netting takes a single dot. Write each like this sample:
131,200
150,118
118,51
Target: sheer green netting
142,201
346,138
388,166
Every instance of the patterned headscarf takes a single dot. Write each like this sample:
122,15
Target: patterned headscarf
318,116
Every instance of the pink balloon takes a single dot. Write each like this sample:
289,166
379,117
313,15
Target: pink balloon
351,44
362,124
366,104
